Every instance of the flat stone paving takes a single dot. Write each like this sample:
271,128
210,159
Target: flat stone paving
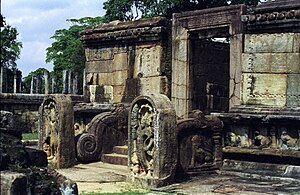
107,178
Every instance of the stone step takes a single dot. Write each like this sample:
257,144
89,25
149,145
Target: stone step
121,150
117,159
265,169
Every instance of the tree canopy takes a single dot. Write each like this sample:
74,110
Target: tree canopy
10,47
67,52
132,9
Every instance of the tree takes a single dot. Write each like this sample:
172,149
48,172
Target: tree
10,48
125,10
27,79
67,51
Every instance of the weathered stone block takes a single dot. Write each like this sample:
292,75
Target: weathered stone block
120,62
293,90
264,89
148,62
99,66
13,183
106,94
151,85
119,77
105,78
56,133
98,54
271,62
118,93
152,142
95,92
270,43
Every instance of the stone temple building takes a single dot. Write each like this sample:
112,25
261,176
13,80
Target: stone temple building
208,89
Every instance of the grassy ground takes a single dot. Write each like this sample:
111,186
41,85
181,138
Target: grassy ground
30,136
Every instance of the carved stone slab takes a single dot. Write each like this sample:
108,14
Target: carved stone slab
152,140
56,130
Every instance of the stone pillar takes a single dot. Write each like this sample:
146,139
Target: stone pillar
54,85
46,77
56,130
65,82
70,82
32,85
15,82
38,84
84,83
152,140
1,79
75,83
20,82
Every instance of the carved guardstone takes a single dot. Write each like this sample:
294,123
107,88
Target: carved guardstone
56,131
152,140
200,143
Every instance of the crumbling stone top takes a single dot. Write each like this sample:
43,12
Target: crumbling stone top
273,16
139,30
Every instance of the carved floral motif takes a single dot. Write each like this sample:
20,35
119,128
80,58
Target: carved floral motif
143,140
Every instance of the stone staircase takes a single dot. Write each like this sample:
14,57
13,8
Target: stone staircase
118,157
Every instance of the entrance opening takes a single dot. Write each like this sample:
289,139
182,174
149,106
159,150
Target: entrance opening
210,73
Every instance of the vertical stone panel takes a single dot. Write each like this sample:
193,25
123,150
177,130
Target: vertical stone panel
56,130
152,138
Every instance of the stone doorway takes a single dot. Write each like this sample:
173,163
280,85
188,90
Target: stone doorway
210,74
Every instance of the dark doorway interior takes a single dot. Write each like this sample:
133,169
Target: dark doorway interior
210,74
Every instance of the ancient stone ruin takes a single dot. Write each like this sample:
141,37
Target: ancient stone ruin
56,132
23,169
152,139
212,89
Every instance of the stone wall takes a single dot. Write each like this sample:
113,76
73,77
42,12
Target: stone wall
271,69
126,59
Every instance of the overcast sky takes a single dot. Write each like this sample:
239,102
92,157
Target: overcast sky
37,20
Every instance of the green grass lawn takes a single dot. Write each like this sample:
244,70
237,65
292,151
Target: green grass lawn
30,136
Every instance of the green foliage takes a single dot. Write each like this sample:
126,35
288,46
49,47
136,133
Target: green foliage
67,52
27,79
30,136
10,48
125,10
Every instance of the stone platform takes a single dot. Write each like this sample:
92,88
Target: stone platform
107,178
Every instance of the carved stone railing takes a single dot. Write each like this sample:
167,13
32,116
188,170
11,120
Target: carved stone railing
152,140
105,131
200,143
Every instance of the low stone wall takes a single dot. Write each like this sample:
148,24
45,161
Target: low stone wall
25,108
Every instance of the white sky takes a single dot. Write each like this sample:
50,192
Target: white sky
37,20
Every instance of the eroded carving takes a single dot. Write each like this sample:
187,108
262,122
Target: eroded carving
143,140
152,140
261,141
232,139
288,142
105,131
202,151
50,141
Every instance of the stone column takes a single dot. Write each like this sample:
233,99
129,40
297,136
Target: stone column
1,79
46,77
38,84
32,85
54,85
65,82
84,83
15,82
75,83
20,82
70,82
